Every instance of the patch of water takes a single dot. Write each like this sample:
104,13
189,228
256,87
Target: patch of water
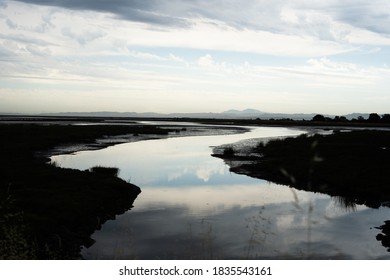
193,207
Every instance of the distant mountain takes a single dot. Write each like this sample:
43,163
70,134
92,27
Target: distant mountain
229,114
248,112
356,115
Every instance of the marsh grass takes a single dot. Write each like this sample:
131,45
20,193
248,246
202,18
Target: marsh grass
110,171
228,152
351,164
14,241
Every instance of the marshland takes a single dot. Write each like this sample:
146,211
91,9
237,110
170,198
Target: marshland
92,189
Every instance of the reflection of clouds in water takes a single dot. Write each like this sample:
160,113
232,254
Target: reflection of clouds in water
205,172
177,174
274,230
200,199
191,207
330,232
202,172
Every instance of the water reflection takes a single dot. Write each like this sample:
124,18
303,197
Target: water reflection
233,231
192,207
173,161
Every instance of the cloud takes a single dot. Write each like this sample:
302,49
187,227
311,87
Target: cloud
146,56
38,51
153,12
186,50
11,24
368,15
279,16
83,37
206,61
26,39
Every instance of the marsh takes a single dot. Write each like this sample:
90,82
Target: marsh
193,207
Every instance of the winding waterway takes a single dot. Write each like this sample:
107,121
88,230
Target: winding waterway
192,207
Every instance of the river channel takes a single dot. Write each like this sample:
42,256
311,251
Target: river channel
192,207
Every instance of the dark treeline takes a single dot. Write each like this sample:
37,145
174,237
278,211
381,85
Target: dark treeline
372,118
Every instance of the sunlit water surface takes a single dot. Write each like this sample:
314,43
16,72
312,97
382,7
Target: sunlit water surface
192,207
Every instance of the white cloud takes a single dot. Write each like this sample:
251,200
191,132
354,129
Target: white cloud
206,61
44,48
84,36
11,24
146,56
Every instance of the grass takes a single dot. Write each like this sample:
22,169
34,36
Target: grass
111,171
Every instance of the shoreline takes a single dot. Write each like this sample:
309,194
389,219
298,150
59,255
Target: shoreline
49,212
174,132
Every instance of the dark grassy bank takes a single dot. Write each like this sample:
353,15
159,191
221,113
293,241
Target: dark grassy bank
384,236
354,165
48,212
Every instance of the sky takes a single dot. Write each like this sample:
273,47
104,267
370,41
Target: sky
178,56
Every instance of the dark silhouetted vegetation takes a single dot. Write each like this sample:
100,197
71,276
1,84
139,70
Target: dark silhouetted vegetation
318,120
228,152
48,212
373,119
111,171
384,237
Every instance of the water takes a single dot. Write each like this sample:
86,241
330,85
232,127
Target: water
192,207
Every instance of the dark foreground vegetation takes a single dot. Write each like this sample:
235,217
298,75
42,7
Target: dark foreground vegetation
47,212
384,236
354,165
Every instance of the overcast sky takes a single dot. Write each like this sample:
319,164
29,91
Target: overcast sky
296,56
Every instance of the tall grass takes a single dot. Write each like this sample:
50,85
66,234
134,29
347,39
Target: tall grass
14,242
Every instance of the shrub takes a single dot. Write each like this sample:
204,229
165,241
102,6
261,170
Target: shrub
112,171
228,152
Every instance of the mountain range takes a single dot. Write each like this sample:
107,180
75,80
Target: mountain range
229,114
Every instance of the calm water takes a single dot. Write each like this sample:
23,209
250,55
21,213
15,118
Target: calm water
192,207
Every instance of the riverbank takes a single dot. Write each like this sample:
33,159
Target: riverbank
353,165
47,212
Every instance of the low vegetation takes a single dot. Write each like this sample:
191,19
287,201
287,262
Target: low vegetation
111,171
